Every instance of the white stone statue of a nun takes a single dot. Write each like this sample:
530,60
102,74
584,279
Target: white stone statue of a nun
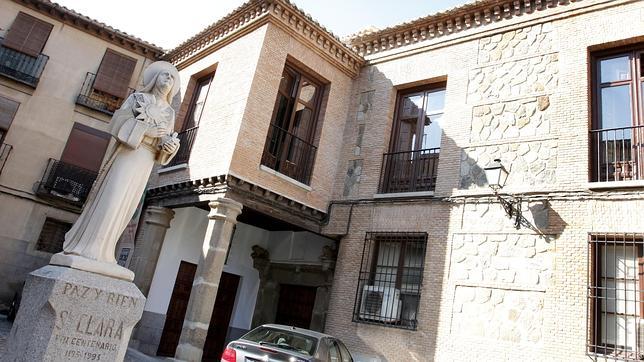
144,131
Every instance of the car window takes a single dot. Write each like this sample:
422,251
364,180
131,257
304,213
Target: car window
334,353
284,339
344,352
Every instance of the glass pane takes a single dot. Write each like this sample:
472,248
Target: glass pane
387,264
199,101
432,132
616,107
618,330
302,122
620,297
411,105
308,91
408,114
281,117
619,261
435,101
615,69
409,307
286,84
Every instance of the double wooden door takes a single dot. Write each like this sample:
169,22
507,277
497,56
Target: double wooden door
219,320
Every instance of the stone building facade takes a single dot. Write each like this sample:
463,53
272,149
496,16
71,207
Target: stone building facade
352,174
55,123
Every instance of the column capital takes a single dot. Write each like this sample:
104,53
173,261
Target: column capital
225,209
158,215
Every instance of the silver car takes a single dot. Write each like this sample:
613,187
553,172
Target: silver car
278,343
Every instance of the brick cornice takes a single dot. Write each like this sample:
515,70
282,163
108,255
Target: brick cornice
472,15
256,13
93,27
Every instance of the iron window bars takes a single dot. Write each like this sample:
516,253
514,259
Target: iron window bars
616,296
390,279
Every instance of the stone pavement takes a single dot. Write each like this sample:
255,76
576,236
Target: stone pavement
132,355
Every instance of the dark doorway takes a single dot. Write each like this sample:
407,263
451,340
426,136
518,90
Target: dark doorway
220,318
177,309
295,306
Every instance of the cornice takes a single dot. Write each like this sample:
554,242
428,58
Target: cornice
469,16
256,13
93,27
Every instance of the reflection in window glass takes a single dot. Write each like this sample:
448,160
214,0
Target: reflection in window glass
616,107
435,102
307,93
432,132
615,69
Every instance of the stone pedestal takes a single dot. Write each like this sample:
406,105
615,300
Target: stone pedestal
73,315
222,217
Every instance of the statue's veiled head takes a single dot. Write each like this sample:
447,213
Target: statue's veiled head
164,76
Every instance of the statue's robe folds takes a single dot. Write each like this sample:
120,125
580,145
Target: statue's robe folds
120,184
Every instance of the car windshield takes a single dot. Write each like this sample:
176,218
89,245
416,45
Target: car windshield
284,339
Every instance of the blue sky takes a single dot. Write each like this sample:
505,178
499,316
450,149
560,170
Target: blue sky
166,24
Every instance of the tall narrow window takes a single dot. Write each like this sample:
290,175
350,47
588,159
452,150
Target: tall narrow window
192,119
412,162
617,135
28,35
390,281
289,147
616,295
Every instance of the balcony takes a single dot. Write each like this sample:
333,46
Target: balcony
97,100
5,150
186,139
289,155
21,67
617,154
409,171
66,182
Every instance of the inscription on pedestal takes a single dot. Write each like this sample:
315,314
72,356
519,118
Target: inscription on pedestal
73,315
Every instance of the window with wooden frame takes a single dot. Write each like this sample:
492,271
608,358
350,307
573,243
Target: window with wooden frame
200,91
390,280
28,34
290,147
52,235
412,162
8,109
617,132
616,296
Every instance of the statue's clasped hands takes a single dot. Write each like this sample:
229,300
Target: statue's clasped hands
170,143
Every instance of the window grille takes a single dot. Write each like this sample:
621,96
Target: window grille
52,236
390,281
616,296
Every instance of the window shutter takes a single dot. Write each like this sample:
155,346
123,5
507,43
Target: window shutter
114,74
85,147
8,110
28,34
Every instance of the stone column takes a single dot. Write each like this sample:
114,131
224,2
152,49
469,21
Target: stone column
156,221
222,218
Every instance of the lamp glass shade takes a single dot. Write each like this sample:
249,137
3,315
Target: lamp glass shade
496,175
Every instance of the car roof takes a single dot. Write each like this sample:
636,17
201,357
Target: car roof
307,332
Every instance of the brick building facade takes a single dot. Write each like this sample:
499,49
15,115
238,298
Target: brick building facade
354,174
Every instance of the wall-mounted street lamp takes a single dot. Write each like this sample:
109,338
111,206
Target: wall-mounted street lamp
496,176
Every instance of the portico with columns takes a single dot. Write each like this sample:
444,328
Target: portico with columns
217,257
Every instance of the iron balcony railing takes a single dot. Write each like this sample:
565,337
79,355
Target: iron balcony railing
617,154
5,150
409,171
65,181
186,139
97,100
289,155
21,67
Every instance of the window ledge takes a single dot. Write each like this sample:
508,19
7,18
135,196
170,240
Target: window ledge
180,166
285,178
404,194
615,184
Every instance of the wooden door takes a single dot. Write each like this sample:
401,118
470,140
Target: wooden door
295,306
220,319
177,309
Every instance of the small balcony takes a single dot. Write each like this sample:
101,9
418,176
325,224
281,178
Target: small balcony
409,171
97,100
21,67
289,155
5,150
186,139
617,154
66,182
